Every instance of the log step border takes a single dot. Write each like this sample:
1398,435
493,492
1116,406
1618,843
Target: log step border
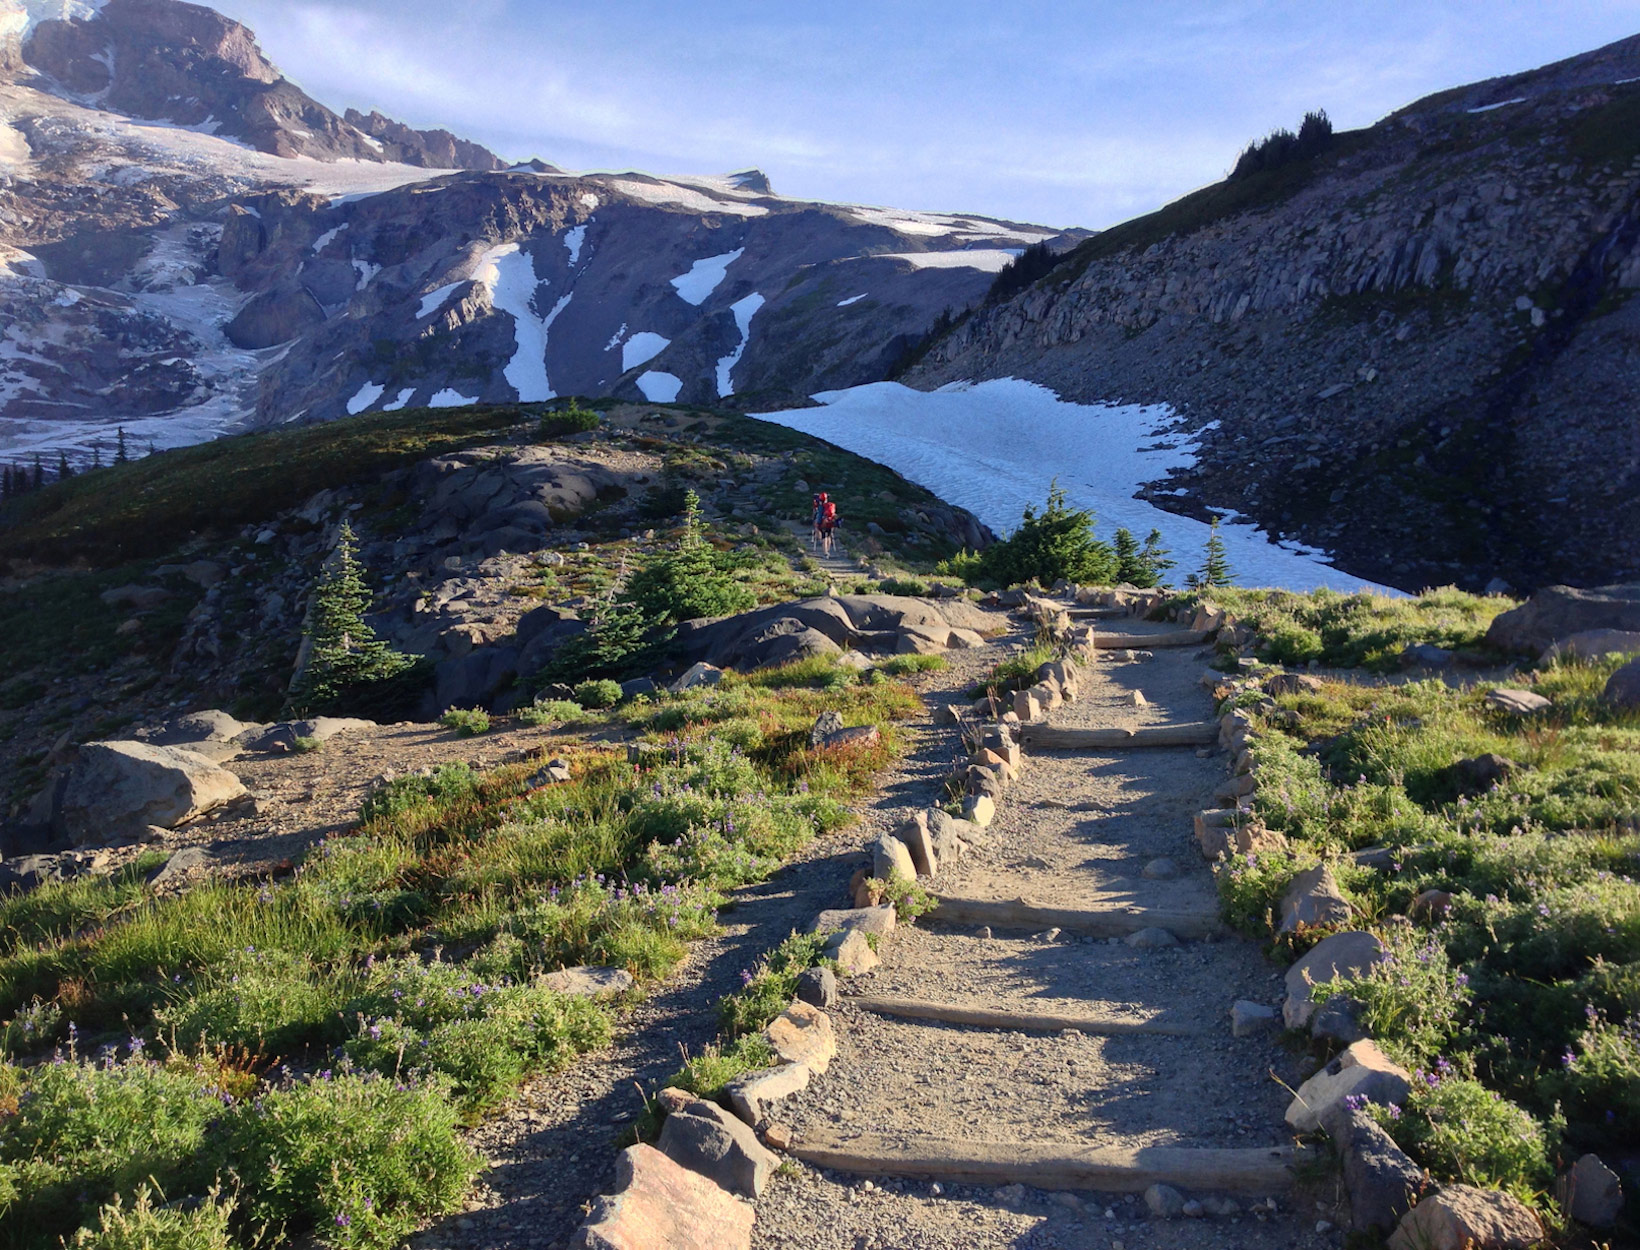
1015,1021
1020,914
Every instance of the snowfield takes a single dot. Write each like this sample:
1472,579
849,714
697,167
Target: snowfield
994,447
987,259
705,276
658,387
641,348
744,310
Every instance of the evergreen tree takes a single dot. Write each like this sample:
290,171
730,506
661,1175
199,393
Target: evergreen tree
96,455
346,654
5,482
39,474
121,456
1215,570
64,469
1130,567
1154,557
1058,542
687,583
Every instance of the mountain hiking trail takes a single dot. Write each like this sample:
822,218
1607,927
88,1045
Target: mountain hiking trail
553,1148
1083,1065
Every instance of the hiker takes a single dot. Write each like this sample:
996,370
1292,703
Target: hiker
828,522
820,500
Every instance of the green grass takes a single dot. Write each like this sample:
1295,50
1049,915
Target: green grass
1520,1009
353,1018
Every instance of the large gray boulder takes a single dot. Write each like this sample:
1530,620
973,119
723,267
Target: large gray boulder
1558,612
211,733
705,1138
1623,686
1381,1179
115,790
1342,955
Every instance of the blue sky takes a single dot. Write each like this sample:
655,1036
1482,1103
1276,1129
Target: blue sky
1081,113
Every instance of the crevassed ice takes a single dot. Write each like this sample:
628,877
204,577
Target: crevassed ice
995,447
744,310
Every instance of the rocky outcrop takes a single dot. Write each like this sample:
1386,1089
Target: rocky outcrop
115,790
1410,350
275,317
1558,613
435,149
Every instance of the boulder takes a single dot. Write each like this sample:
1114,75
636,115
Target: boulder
817,987
803,1034
920,842
751,1096
1591,1192
1459,1217
923,640
1382,1182
661,1203
1248,1019
1362,1071
890,857
825,725
283,734
1314,901
979,809
588,982
698,674
1163,869
705,1138
1593,644
877,920
947,834
183,865
1164,1201
138,598
117,790
1341,955
1623,686
1558,612
1292,683
1518,702
1026,706
1472,776
27,873
1151,938
1425,655
851,951
1338,1019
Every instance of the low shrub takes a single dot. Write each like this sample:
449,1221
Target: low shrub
550,712
900,665
203,1225
596,695
768,989
446,784
562,422
467,722
1461,1131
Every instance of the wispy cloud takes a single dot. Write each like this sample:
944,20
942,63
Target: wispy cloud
1067,114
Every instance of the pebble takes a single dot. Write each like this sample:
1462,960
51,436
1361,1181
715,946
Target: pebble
985,932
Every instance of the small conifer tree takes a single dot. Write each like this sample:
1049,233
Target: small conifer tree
121,455
1154,557
1215,570
64,469
689,582
1057,542
345,654
39,473
1130,567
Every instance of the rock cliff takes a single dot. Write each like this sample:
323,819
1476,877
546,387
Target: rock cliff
1416,350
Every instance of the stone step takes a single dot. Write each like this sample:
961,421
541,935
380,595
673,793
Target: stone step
1145,642
1020,1021
1040,737
1052,1165
1102,922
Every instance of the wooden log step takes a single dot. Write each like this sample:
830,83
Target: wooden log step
1144,642
1017,1021
1052,1165
1105,922
1096,614
1051,738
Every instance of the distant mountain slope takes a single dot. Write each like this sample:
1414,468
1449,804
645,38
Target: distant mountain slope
1418,350
189,243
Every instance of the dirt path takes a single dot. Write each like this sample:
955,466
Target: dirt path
554,1147
1077,831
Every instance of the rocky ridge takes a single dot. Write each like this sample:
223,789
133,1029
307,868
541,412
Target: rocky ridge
1415,350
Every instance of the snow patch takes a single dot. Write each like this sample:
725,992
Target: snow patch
325,239
994,447
659,388
366,271
641,348
366,395
1501,104
449,397
704,276
19,17
987,260
944,225
615,339
573,239
434,300
853,299
744,310
401,401
684,197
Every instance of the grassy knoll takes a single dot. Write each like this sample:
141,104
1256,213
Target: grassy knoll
1517,1001
300,1056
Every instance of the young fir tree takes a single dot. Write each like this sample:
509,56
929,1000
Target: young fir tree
346,654
689,582
1154,557
1215,570
1130,566
121,455
64,469
39,474
1058,542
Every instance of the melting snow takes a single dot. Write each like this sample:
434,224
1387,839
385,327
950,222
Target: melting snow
659,388
509,275
683,197
853,299
937,225
324,240
572,241
995,447
989,260
366,395
401,401
615,339
641,348
704,276
434,300
1501,104
744,310
449,397
366,271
